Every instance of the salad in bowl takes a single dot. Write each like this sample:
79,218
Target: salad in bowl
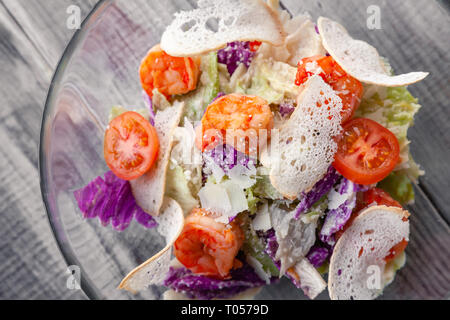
271,146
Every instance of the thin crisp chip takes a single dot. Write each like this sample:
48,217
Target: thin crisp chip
153,271
218,22
358,260
305,149
149,189
359,59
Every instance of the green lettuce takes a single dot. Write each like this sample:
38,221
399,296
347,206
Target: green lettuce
395,108
208,88
399,186
317,210
254,247
273,81
263,187
392,267
324,269
119,110
177,188
252,201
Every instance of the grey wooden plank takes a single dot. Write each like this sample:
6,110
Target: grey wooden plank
44,23
31,266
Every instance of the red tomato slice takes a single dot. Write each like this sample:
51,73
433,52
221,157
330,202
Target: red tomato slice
367,152
381,198
347,88
131,146
254,45
396,251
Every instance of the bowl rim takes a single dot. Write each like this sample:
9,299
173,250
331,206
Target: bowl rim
87,286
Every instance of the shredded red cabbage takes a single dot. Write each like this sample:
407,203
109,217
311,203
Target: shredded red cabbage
319,190
226,157
318,255
112,202
337,218
271,250
286,109
149,104
234,54
335,221
272,246
204,288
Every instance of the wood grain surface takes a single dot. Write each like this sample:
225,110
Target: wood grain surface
33,36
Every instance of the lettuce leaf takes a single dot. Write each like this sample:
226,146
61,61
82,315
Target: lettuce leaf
392,267
252,201
119,110
263,187
177,188
208,88
398,185
255,247
394,108
273,81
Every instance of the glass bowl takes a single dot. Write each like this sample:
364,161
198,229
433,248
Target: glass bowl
99,70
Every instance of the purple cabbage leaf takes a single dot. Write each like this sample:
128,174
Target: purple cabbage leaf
342,201
226,157
111,201
318,255
204,288
234,54
319,190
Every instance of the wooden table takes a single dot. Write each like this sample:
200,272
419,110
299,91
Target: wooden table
33,35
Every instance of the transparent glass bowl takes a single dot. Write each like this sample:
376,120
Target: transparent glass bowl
99,70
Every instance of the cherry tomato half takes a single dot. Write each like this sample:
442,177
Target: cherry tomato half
367,152
131,146
254,45
380,197
396,251
347,88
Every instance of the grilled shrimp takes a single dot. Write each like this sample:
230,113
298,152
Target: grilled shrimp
207,247
170,75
